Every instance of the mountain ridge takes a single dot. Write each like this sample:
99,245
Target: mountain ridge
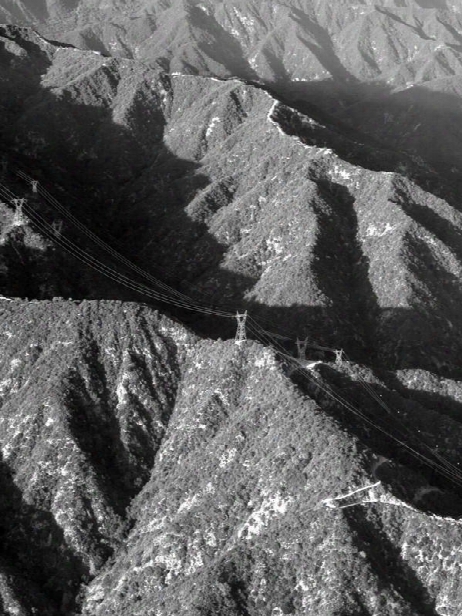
332,56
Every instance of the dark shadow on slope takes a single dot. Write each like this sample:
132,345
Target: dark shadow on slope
341,270
219,44
431,156
121,450
415,131
38,8
81,148
418,424
385,559
33,542
96,430
430,220
455,33
434,401
91,40
409,472
438,292
412,338
393,338
58,43
276,65
30,267
343,91
27,594
27,39
22,62
421,121
417,29
321,47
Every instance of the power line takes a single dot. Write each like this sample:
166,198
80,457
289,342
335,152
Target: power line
178,299
88,259
442,466
101,243
68,215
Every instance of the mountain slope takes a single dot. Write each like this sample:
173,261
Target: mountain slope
355,60
137,409
191,162
78,439
258,527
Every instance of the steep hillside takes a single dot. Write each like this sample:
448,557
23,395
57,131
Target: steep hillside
273,523
349,244
148,472
78,436
396,41
386,67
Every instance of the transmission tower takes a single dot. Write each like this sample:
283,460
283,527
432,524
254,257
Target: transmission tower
301,355
339,357
34,184
301,348
241,335
57,227
18,218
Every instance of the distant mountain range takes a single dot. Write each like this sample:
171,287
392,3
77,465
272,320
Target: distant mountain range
385,68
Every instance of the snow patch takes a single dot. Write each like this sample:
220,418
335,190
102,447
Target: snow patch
122,389
275,245
248,22
311,365
210,539
171,562
188,503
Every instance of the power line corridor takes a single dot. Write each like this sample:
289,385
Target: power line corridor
390,423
